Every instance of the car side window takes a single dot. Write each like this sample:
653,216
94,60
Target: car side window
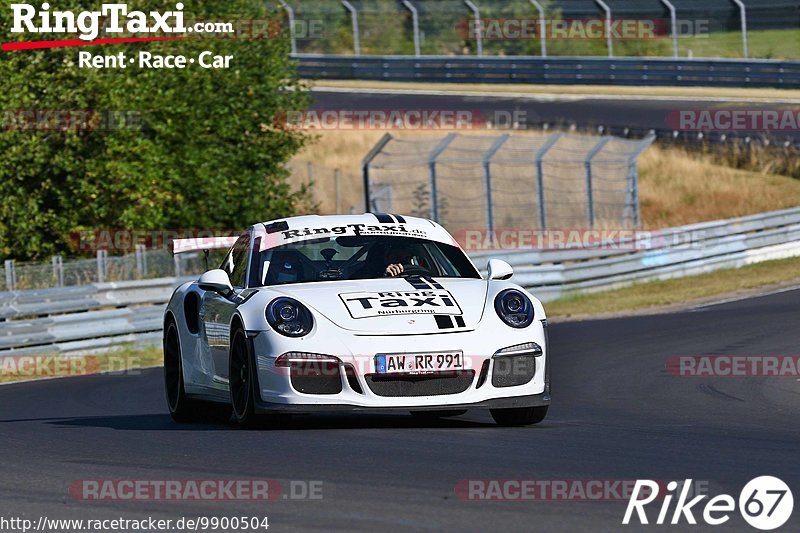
236,262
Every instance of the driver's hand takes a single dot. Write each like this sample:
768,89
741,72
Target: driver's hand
394,270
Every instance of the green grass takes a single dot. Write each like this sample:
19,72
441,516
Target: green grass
654,294
762,44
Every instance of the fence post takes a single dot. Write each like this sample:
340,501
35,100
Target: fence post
553,139
589,185
337,178
354,19
674,22
743,13
365,168
632,199
58,270
609,40
141,260
415,25
290,15
487,174
102,255
432,173
478,35
310,170
542,27
11,274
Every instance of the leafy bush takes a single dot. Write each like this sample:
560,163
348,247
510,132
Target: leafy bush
202,150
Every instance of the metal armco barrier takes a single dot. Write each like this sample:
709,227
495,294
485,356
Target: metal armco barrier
554,70
78,319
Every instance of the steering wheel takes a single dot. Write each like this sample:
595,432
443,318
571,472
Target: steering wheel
414,270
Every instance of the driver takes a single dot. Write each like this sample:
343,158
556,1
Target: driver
395,257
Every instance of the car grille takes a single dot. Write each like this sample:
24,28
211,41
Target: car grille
513,371
316,378
422,385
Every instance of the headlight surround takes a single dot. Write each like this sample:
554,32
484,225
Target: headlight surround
514,308
289,317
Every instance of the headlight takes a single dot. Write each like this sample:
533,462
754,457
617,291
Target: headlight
289,317
514,308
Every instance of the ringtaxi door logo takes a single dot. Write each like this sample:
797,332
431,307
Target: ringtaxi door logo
765,503
117,24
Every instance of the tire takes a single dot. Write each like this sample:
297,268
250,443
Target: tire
181,407
435,415
240,378
519,416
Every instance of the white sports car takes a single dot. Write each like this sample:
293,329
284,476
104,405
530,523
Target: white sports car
353,312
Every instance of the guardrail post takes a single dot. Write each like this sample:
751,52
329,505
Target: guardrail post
141,260
11,274
290,16
487,174
609,40
365,168
673,15
415,25
432,173
542,27
743,13
539,158
58,270
478,34
589,185
102,256
354,19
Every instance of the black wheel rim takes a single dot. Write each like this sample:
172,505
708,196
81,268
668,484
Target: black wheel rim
240,377
172,367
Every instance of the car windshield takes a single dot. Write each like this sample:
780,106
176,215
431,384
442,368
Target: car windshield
358,257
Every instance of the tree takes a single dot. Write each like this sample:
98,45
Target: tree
167,148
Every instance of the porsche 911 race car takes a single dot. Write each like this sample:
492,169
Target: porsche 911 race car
353,312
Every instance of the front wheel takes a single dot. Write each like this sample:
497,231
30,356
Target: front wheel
519,416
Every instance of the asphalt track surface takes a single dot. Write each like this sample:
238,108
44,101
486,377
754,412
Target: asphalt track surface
617,414
615,114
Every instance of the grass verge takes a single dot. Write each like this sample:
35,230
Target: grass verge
123,361
678,292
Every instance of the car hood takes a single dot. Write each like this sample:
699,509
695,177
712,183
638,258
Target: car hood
391,306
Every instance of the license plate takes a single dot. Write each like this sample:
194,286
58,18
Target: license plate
419,363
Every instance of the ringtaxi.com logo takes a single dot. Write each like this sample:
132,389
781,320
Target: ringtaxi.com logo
765,502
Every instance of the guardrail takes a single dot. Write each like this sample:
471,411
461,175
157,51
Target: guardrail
75,319
554,70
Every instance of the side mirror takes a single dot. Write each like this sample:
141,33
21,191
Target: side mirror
215,280
499,269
